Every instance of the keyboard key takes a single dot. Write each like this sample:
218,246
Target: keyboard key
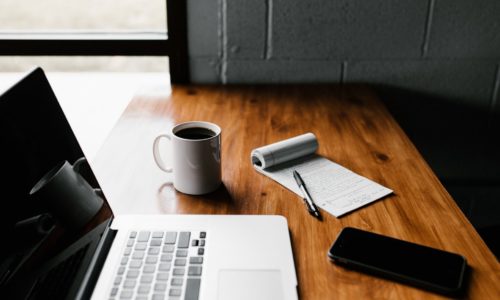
203,235
162,276
177,281
184,239
114,291
143,236
157,234
149,269
138,255
126,294
127,251
165,266
196,260
151,259
175,292
155,242
121,270
132,274
181,253
153,251
141,298
194,243
146,278
170,237
140,246
192,289
133,234
180,262
168,248
124,260
202,243
179,271
160,287
194,271
135,264
166,257
118,280
158,296
201,251
129,284
130,242
144,289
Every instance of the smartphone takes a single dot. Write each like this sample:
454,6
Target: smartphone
424,267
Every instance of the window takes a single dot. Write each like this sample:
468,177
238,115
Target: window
144,28
88,15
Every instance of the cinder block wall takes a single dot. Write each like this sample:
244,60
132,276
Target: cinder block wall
437,61
447,48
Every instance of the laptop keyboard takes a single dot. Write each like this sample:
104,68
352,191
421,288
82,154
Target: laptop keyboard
160,265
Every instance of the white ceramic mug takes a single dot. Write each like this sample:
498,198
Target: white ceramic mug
196,160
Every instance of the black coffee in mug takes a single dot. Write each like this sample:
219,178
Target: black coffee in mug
195,133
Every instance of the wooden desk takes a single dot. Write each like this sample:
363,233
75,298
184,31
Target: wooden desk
353,128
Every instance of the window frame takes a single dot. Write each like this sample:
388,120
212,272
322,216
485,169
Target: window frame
173,43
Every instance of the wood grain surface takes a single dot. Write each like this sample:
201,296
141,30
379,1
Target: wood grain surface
353,129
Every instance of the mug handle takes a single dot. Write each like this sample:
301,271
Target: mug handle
156,153
77,166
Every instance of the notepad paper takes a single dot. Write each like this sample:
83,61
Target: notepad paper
333,188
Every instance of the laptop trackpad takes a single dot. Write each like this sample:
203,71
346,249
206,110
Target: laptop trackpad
250,284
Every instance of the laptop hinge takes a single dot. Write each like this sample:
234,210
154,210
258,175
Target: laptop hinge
96,264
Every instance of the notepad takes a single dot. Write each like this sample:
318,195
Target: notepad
333,188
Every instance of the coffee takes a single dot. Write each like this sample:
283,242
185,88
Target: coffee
195,133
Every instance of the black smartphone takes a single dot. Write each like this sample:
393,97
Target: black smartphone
413,264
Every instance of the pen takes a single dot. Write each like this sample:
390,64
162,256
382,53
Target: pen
311,207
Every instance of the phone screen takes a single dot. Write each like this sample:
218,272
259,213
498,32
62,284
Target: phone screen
402,260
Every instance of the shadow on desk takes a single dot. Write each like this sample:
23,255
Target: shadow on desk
458,138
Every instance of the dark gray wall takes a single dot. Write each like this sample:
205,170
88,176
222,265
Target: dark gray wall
436,63
444,47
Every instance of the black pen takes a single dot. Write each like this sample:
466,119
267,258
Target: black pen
311,207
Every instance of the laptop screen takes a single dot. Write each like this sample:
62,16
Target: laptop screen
35,137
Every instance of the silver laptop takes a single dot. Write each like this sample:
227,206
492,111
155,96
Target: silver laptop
125,257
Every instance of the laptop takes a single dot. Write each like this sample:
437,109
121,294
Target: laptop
126,256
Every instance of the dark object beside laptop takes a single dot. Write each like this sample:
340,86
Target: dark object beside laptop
424,267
